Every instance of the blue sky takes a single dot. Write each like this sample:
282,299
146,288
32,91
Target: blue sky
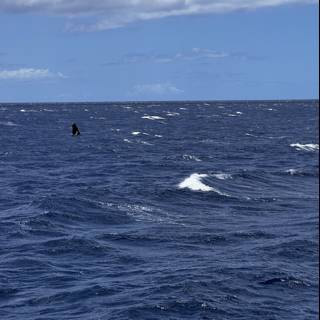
126,50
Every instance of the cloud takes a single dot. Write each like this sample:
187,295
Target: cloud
29,74
193,55
158,89
113,14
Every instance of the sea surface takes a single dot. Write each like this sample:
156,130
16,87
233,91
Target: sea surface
159,210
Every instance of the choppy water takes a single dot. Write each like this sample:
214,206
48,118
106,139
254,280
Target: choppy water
185,210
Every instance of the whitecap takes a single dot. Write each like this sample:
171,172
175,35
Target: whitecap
222,176
30,110
251,135
153,117
194,183
173,114
146,143
191,157
239,112
158,135
127,140
135,133
305,147
292,171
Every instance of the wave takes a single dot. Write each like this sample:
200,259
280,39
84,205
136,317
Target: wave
30,110
173,114
194,183
292,171
287,281
191,158
153,117
305,147
8,123
141,212
222,176
301,172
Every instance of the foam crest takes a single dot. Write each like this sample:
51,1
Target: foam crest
153,118
292,171
173,114
222,176
305,147
194,183
191,158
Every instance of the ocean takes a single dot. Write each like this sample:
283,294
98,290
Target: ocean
159,210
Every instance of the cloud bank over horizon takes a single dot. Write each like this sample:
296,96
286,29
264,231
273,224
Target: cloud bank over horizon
112,14
29,74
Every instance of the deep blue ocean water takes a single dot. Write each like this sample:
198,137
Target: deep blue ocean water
171,210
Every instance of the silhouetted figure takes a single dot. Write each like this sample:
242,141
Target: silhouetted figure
75,130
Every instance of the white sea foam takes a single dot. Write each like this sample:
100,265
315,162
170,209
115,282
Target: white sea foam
127,140
29,110
194,183
222,176
239,112
158,135
135,133
292,171
305,147
251,135
153,118
146,143
173,114
191,157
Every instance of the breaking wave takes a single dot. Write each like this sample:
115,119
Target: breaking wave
305,147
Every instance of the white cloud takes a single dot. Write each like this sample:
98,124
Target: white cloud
158,89
118,13
29,74
192,55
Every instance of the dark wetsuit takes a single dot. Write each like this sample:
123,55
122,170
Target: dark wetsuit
75,130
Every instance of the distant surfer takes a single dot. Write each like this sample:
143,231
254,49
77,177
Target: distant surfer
75,130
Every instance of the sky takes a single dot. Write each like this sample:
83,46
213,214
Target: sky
138,50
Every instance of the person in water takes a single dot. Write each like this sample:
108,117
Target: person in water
75,130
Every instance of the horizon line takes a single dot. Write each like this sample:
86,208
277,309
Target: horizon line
159,101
